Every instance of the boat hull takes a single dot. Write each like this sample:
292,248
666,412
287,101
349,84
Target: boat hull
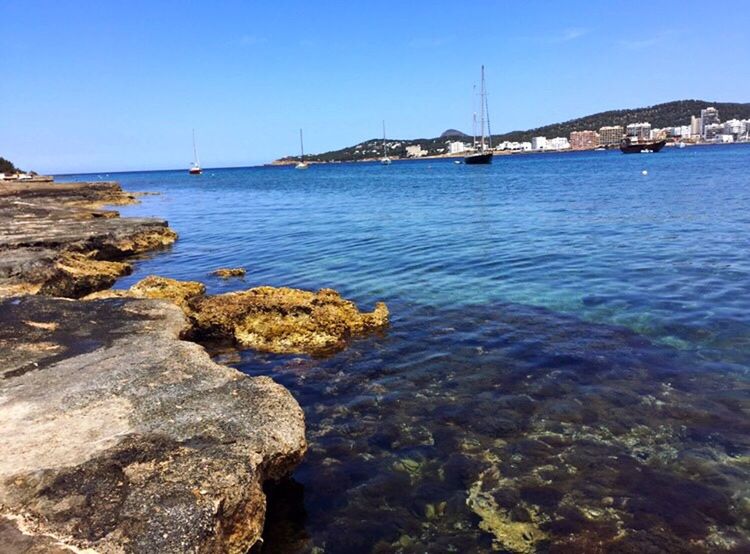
641,147
479,159
194,171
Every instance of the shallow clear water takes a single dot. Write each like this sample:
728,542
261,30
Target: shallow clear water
566,368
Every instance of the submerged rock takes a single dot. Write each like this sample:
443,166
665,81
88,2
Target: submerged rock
513,534
118,437
227,272
54,239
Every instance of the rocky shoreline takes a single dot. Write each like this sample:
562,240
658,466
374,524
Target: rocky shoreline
56,240
118,434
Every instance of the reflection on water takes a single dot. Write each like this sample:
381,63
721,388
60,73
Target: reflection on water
567,366
514,427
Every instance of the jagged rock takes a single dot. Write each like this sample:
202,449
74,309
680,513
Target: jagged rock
119,437
284,320
227,272
268,319
177,292
75,274
53,238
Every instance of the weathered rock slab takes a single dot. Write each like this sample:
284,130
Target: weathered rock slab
119,437
55,239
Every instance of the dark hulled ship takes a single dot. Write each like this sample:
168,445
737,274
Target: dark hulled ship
484,155
630,146
481,158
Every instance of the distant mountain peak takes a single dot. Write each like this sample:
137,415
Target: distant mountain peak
453,133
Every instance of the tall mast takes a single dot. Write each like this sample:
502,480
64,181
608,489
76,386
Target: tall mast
301,147
487,110
385,146
474,116
195,152
481,108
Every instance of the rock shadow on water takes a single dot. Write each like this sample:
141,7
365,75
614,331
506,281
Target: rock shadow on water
558,435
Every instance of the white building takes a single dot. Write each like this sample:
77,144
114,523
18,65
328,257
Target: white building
709,117
695,126
456,147
725,138
639,130
415,151
734,127
558,143
712,130
514,146
539,143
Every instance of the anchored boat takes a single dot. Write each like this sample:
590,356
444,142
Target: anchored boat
484,156
630,146
195,169
385,160
301,164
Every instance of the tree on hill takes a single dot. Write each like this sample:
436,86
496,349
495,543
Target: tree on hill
7,167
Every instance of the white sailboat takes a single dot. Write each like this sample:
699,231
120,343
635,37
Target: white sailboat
385,160
301,164
195,168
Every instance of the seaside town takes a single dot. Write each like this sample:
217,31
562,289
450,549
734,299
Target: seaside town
704,129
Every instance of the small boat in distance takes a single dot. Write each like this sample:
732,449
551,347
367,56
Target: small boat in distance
385,160
630,146
195,168
301,164
484,156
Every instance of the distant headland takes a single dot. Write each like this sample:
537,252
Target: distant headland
686,121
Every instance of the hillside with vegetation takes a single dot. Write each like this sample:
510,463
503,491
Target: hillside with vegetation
669,114
7,167
660,115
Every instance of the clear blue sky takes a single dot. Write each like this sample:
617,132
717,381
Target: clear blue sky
106,86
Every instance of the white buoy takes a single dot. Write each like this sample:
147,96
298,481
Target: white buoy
644,172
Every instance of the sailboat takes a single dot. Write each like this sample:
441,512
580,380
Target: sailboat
484,156
195,168
385,160
301,164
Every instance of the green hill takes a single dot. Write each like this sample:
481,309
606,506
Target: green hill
668,114
7,167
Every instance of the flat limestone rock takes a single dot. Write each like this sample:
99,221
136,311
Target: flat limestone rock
55,239
119,437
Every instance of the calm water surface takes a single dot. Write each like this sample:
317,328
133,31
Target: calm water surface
567,366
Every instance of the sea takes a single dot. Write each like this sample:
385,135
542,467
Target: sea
566,368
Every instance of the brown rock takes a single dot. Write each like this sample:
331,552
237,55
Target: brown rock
227,272
177,292
284,320
76,274
267,319
55,241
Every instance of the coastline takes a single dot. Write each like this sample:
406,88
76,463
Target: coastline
113,418
284,163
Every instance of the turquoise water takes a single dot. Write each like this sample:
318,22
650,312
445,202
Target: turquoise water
566,368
